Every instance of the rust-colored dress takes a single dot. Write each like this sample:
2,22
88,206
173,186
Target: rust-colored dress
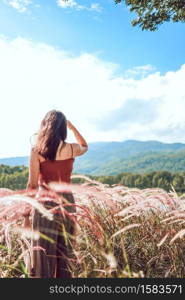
56,258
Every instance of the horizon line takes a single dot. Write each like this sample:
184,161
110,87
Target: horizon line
129,140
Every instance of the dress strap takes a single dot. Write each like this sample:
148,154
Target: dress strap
71,150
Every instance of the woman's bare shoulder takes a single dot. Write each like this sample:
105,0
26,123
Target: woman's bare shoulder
64,151
35,155
78,149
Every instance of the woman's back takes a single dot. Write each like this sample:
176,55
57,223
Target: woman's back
61,168
52,160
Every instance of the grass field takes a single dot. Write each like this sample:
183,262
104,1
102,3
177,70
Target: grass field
122,232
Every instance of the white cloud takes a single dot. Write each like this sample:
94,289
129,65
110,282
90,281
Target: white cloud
96,7
20,5
67,3
35,78
139,71
75,5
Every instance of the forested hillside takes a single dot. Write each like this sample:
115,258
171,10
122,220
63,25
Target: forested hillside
111,158
15,178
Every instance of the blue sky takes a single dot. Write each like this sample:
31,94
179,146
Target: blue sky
107,32
114,81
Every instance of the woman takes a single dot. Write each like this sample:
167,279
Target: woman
51,160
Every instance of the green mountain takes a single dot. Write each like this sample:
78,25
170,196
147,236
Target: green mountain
109,158
15,161
131,156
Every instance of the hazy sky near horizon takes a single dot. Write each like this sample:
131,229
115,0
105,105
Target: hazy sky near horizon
113,81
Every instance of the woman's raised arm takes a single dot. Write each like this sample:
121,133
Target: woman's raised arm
80,139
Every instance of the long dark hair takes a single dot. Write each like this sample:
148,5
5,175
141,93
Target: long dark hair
52,131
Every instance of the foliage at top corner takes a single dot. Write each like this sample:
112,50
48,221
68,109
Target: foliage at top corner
152,13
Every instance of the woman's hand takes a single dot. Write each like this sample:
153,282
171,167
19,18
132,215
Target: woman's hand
70,125
77,134
26,223
27,211
26,214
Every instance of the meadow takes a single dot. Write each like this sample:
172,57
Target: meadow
121,232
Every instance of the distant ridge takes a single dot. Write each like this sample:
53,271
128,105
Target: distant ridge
109,158
15,161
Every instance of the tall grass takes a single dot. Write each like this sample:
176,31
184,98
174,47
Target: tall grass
122,232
